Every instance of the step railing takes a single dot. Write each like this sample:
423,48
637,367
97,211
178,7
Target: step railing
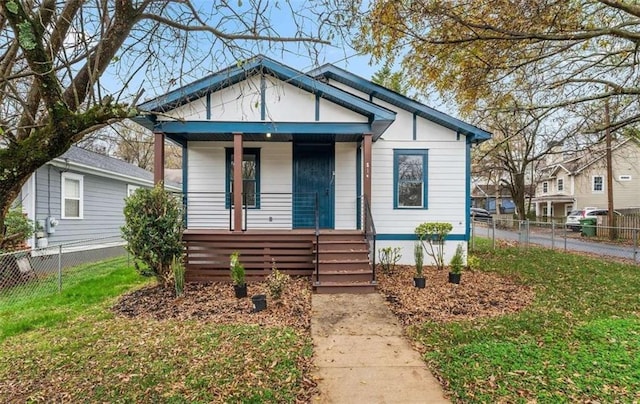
370,235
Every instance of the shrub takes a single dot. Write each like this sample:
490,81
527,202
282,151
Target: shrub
153,230
177,267
457,261
473,262
389,257
277,283
237,269
435,235
18,229
418,254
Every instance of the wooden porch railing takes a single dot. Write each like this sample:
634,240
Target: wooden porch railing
370,235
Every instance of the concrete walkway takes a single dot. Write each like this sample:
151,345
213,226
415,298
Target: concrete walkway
362,355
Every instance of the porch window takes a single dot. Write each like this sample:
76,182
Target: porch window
72,196
410,179
560,184
598,183
250,177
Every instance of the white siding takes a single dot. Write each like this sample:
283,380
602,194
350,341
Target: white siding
345,186
239,102
407,251
330,112
287,103
195,110
206,185
446,180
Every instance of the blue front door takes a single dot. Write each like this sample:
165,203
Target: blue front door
313,179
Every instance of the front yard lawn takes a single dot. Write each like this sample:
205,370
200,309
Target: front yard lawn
578,341
85,351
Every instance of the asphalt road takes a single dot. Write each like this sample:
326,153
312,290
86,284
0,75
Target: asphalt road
557,240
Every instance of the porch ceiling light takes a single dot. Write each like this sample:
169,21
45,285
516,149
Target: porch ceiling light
268,135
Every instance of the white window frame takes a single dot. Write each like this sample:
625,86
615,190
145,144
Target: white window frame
80,179
560,184
593,184
545,187
131,189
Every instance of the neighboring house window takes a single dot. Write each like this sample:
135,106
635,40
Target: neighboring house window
598,183
560,184
72,196
250,176
410,178
545,187
131,189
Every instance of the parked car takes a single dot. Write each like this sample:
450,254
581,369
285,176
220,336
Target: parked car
480,215
573,220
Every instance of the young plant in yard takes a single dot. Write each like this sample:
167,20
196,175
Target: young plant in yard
18,229
237,275
473,262
153,231
277,283
432,236
457,261
418,255
389,257
177,266
456,264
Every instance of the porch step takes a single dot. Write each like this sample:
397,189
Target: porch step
346,275
345,287
342,265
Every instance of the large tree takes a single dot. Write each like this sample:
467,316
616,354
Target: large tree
579,51
552,59
69,68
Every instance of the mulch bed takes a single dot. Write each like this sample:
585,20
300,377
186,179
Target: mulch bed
216,302
480,294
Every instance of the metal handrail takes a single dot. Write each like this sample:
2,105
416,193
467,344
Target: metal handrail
317,217
370,235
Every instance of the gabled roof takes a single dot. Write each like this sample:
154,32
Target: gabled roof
379,117
372,89
95,163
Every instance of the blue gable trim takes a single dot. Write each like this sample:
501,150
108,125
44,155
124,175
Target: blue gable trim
332,72
226,127
379,117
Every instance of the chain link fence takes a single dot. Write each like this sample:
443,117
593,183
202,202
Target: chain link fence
593,238
27,273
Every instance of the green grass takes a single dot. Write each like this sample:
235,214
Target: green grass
70,347
579,341
85,286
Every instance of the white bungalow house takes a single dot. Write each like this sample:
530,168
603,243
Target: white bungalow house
310,172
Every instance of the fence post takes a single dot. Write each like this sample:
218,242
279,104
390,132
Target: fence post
635,244
553,235
60,268
493,223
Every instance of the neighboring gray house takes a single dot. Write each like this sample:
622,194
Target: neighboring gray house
80,196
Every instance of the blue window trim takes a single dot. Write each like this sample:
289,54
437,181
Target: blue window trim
227,182
425,175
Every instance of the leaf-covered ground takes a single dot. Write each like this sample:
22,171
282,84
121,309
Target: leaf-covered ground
479,294
216,303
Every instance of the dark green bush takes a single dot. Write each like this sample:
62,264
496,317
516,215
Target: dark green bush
153,230
18,229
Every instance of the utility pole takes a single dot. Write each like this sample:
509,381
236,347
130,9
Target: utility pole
613,233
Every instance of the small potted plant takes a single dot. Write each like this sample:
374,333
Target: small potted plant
455,265
238,275
418,253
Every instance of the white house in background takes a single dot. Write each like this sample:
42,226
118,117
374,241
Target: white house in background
79,196
580,181
317,160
